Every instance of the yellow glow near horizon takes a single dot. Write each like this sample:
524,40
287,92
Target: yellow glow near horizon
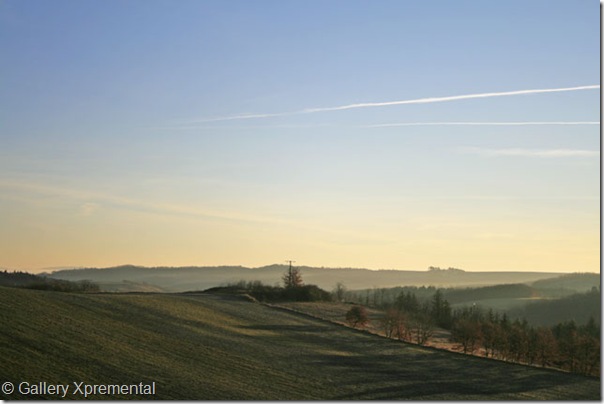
96,235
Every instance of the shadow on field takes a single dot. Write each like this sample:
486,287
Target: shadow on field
435,375
368,367
347,363
288,328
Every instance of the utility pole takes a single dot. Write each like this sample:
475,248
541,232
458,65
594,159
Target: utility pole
290,268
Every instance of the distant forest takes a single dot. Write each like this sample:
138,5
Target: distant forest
20,279
572,343
579,307
573,297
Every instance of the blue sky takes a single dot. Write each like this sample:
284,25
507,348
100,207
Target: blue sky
204,133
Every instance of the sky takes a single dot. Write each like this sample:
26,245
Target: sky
360,133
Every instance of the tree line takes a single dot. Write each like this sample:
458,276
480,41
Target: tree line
21,279
566,345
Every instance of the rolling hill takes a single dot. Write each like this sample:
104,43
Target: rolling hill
201,346
200,278
567,284
579,307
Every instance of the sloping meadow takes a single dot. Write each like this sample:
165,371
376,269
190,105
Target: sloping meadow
210,347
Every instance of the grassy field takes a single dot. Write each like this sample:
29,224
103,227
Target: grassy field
336,313
222,347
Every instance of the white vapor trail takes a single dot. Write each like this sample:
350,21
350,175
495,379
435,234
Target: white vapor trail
244,116
386,125
550,153
451,98
403,102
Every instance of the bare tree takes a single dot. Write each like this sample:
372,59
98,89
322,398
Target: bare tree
339,291
468,333
546,346
489,332
357,316
393,323
423,328
388,322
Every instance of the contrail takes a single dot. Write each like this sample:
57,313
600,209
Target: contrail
386,125
243,116
402,102
451,98
553,153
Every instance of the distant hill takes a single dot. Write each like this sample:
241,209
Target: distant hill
199,278
504,291
540,306
578,307
567,284
129,286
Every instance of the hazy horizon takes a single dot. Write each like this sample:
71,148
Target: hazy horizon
367,134
69,267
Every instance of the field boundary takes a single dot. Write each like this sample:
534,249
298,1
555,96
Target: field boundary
429,348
